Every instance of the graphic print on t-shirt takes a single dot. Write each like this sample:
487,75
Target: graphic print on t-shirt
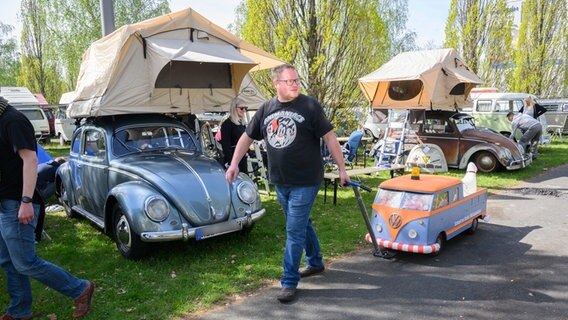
281,128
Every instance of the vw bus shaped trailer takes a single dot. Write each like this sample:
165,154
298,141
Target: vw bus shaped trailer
419,215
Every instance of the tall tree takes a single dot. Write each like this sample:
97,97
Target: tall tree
65,28
540,65
481,31
9,56
331,43
394,13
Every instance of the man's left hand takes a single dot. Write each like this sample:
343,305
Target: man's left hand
26,213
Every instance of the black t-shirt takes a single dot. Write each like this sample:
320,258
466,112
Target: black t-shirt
16,133
292,133
230,134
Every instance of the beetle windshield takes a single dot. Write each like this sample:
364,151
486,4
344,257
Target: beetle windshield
404,200
152,137
464,124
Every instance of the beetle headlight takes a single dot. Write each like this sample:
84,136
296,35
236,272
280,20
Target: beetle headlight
412,234
157,208
246,192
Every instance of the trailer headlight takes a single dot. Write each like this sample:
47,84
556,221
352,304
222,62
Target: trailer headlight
246,192
157,208
412,234
379,227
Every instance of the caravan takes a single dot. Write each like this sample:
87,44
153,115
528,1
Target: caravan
22,99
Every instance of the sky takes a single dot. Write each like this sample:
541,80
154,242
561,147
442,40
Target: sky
425,17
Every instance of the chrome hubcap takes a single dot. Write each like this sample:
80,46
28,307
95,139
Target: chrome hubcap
123,232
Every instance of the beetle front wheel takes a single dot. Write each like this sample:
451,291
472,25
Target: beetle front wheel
64,200
486,162
127,241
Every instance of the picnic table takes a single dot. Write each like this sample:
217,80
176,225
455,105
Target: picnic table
333,177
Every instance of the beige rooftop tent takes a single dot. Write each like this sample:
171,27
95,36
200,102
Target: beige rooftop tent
437,79
176,63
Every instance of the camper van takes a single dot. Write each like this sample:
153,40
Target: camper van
556,113
490,110
22,99
64,126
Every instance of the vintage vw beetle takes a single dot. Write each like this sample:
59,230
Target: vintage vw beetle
143,179
456,134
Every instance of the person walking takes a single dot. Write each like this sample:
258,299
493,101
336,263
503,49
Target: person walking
531,128
19,209
292,125
231,130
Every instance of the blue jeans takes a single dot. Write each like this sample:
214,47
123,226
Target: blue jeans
20,262
297,203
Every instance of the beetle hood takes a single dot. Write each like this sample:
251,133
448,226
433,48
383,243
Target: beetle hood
494,138
194,184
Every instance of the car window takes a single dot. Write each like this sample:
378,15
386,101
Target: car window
441,200
437,126
464,124
76,142
33,114
94,144
416,201
502,105
136,139
389,198
484,105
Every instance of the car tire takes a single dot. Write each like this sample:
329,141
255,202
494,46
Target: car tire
486,162
127,241
64,201
474,225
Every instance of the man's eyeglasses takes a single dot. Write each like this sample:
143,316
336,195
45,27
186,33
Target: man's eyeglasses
243,108
290,82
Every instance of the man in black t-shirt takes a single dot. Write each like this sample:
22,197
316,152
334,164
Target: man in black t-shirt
19,208
292,125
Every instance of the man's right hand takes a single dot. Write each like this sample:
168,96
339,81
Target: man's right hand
231,173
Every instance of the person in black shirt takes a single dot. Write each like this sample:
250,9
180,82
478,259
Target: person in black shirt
231,130
292,125
19,208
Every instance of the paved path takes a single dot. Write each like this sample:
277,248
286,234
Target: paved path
514,267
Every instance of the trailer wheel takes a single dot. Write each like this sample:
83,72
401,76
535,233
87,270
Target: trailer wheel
440,242
474,225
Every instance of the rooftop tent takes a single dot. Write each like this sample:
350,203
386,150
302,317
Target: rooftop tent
437,79
176,63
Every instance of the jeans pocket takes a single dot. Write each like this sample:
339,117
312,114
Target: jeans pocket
8,206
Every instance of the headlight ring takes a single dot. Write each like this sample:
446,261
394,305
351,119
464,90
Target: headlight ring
247,192
156,208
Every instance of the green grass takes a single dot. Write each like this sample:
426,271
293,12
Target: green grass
181,278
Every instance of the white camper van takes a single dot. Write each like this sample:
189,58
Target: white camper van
64,126
22,99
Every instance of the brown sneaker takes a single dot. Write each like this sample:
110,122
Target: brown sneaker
83,303
9,317
309,271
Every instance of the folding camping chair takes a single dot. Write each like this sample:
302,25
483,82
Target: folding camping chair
349,149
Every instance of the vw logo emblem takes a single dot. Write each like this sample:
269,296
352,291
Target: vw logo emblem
395,220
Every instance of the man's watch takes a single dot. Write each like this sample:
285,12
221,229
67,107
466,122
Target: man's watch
26,199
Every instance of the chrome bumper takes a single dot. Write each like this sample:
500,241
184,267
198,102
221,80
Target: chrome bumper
204,232
519,164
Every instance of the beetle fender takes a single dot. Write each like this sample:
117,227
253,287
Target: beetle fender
131,196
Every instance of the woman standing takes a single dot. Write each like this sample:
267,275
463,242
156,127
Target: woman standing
531,108
231,130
